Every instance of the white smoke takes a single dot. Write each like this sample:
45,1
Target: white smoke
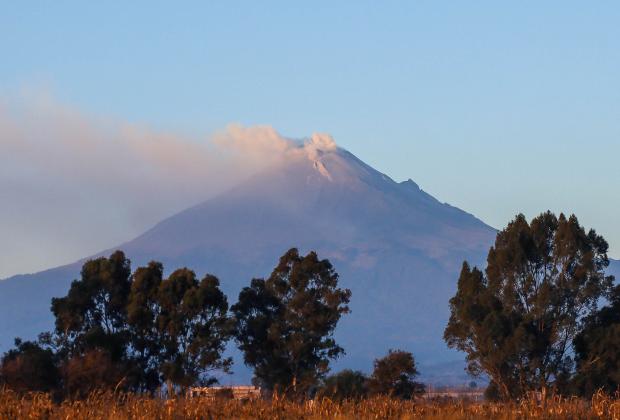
72,184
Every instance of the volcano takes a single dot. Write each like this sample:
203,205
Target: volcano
396,247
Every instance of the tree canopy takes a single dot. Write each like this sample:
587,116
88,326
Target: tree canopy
92,314
394,375
597,350
193,327
516,323
140,330
29,367
347,384
285,324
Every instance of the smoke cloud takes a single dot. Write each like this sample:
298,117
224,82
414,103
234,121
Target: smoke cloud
72,184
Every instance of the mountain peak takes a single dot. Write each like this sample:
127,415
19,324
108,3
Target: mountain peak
315,147
394,246
321,142
410,183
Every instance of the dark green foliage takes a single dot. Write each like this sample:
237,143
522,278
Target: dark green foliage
93,315
92,319
285,324
597,350
347,384
192,326
29,367
117,330
142,311
517,322
394,375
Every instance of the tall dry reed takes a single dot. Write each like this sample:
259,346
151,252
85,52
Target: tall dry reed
128,406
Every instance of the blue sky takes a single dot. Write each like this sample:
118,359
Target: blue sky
496,108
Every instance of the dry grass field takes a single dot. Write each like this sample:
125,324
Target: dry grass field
110,406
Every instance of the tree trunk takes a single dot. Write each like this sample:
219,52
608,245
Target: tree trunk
505,391
170,389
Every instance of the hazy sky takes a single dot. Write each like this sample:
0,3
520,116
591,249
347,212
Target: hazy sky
494,107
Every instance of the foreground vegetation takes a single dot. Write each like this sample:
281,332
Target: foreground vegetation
132,406
530,322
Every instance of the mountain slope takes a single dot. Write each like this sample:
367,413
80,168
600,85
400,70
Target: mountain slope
396,247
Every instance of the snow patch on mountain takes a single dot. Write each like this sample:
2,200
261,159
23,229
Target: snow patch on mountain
315,147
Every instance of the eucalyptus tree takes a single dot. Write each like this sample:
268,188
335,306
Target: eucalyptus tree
597,350
517,320
285,324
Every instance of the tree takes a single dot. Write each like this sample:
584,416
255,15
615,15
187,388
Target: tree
29,367
91,327
394,375
93,314
285,324
597,350
142,312
192,328
147,328
491,393
92,370
517,322
347,384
